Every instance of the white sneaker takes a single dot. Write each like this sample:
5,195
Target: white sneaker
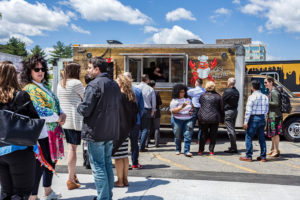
52,196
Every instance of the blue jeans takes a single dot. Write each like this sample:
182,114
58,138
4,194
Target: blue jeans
145,127
100,158
182,128
256,124
195,117
134,141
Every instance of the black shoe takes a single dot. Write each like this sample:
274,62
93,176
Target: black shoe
231,151
143,150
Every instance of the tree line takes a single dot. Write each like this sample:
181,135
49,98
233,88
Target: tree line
17,47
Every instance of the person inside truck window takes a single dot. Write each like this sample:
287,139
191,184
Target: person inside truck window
157,75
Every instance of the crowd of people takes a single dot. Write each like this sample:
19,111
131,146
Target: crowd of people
107,114
210,109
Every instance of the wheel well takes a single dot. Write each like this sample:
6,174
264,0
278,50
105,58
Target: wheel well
290,117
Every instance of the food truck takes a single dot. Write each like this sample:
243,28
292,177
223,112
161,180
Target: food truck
184,63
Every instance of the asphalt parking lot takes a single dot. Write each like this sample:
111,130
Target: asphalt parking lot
162,162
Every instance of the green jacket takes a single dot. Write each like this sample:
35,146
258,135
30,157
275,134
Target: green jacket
274,104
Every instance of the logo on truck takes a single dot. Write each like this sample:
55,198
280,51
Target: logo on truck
201,68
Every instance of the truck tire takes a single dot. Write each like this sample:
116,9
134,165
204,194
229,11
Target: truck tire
292,129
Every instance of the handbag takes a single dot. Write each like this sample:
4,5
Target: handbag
17,129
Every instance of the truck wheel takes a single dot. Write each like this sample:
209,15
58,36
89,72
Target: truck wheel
292,129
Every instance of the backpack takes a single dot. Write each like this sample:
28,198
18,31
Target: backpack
285,101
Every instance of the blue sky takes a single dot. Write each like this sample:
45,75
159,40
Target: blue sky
275,23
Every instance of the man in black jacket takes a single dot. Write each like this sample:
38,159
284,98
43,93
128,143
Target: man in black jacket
230,100
101,124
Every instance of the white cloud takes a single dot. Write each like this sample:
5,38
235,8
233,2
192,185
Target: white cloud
176,35
23,38
22,19
104,10
236,1
279,13
257,42
223,11
218,13
48,51
180,13
150,29
260,29
79,30
270,57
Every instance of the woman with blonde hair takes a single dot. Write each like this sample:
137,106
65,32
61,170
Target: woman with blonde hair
128,117
17,163
210,115
70,94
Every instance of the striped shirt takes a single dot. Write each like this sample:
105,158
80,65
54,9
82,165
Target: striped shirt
257,104
69,98
183,113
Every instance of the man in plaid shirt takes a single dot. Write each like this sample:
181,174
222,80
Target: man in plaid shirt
256,112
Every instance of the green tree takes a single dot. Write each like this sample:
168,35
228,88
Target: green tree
15,47
61,51
37,50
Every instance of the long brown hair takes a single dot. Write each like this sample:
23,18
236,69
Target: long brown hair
271,80
126,88
8,82
72,70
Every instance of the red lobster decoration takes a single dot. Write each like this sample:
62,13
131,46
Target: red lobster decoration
202,70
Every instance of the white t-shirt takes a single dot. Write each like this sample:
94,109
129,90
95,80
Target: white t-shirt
184,113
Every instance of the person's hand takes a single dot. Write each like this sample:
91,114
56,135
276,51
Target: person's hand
245,126
62,119
152,113
183,105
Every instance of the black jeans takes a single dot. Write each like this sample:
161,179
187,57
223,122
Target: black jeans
230,118
42,170
208,131
17,174
134,142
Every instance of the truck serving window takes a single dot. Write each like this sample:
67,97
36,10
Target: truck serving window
166,70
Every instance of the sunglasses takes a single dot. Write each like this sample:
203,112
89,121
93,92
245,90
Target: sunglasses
265,82
39,69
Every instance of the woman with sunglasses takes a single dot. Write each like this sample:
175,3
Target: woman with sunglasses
17,163
35,78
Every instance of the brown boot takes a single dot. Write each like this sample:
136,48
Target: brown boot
72,185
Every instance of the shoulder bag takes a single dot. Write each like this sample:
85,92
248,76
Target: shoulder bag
17,129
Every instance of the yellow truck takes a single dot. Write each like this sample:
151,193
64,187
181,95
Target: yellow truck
184,63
